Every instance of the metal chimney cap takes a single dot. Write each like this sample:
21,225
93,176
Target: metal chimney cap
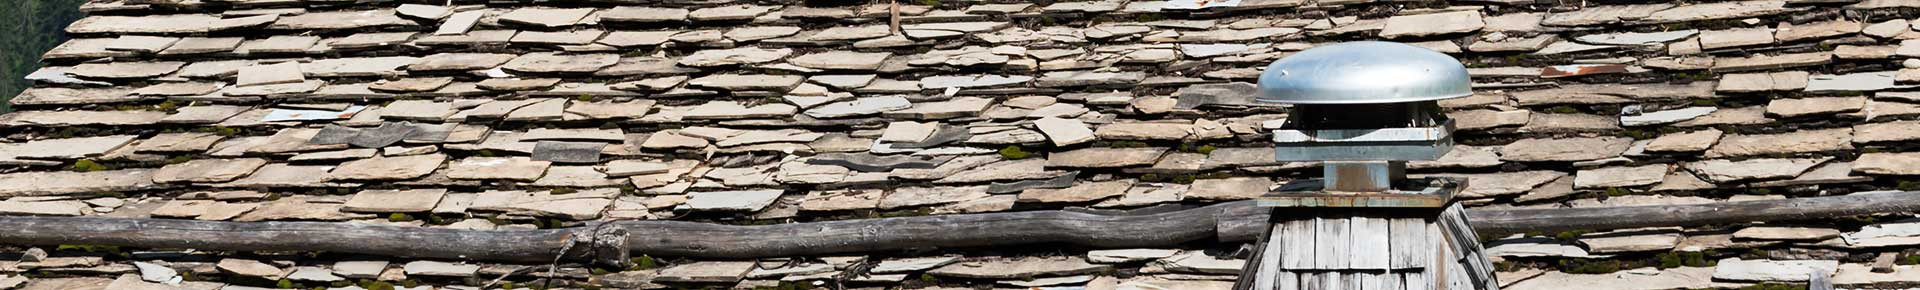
1365,72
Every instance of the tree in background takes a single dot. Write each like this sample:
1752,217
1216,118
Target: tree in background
31,27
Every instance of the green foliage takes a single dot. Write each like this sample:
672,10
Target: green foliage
85,165
1908,185
399,217
1205,149
644,262
564,191
1908,260
1616,191
33,27
929,278
1013,152
1584,266
376,285
88,248
284,284
934,3
584,97
180,159
220,130
1569,235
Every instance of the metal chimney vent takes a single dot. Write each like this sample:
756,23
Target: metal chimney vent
1364,108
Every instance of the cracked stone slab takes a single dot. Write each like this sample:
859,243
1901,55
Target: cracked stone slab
208,170
568,152
387,168
391,201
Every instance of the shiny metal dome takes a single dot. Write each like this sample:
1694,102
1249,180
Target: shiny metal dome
1365,72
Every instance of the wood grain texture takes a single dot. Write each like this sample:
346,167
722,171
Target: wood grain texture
1230,222
1369,243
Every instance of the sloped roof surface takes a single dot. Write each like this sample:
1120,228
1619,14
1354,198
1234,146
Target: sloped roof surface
521,114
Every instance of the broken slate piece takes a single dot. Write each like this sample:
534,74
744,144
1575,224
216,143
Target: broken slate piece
387,134
568,152
944,135
1062,181
864,162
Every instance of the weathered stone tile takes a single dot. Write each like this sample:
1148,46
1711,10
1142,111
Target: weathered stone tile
388,168
736,82
1621,176
1766,62
1564,149
1235,188
1802,141
548,62
1105,157
1788,32
576,177
1762,82
1718,10
706,272
1737,37
208,170
1736,269
1905,163
1084,192
460,61
1432,24
72,148
1731,116
357,67
1603,14
545,17
1694,141
345,19
178,142
511,168
750,201
390,201
643,14
38,183
1486,185
172,23
1727,171
1626,241
1018,268
1853,82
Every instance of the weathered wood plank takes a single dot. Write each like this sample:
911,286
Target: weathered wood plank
706,240
1415,280
1330,242
1331,280
1288,280
1410,245
1310,280
1267,272
1298,244
1369,280
1370,238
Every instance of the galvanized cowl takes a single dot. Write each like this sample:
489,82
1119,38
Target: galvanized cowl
1366,72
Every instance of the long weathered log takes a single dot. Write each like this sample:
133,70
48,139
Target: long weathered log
1491,222
1233,221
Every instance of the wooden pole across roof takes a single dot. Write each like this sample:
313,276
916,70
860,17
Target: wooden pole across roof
1148,227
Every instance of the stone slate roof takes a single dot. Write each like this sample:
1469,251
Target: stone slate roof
526,114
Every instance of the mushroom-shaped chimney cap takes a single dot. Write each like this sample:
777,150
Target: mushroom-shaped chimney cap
1366,72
